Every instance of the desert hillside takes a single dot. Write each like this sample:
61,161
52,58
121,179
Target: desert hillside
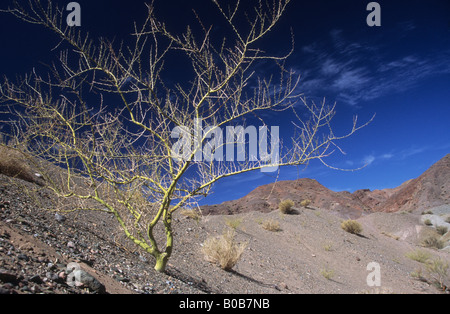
306,252
431,189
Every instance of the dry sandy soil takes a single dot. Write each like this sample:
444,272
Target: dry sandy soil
310,244
310,254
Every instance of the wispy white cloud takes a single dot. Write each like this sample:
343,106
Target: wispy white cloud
397,155
331,67
351,79
411,151
356,72
387,156
368,160
371,159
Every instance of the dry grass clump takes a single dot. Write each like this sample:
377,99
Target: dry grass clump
12,164
433,242
436,273
234,223
271,225
286,205
441,230
390,235
223,250
305,203
419,256
192,214
16,164
352,226
327,273
328,246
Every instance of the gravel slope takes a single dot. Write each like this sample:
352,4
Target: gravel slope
310,254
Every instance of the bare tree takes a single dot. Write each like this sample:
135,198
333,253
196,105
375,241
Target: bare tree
125,153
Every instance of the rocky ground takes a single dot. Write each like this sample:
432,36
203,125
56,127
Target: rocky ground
309,254
37,246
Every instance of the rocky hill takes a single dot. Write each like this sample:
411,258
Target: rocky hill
430,190
267,197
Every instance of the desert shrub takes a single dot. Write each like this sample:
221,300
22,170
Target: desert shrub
427,212
419,256
192,213
351,226
327,273
441,230
390,235
328,246
285,206
305,203
433,242
223,250
428,222
12,164
437,270
436,273
271,225
233,223
447,220
418,274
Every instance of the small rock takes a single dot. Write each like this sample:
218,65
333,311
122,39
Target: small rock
51,276
5,235
4,291
25,289
284,286
83,279
60,218
42,259
4,205
8,277
123,279
36,289
36,279
62,275
23,257
8,286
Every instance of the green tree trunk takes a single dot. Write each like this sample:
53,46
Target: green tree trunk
163,258
161,262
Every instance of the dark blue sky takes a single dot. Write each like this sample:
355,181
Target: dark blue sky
400,71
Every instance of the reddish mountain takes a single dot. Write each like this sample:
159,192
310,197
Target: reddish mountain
431,189
267,197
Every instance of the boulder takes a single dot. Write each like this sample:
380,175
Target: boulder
83,279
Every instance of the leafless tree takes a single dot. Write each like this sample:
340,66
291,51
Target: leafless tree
121,156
